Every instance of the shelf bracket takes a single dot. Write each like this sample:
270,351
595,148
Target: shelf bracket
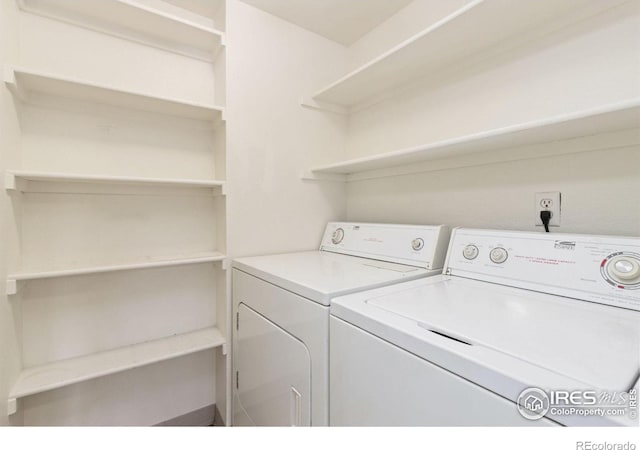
220,47
12,406
13,85
14,183
220,120
10,182
226,264
317,176
13,286
309,102
225,349
220,191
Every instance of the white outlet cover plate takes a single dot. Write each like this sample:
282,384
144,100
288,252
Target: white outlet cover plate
555,207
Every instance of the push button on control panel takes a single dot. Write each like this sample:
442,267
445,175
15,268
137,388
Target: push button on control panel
470,252
498,255
417,244
622,269
337,236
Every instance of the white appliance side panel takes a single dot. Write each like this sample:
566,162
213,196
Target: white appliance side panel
274,373
304,319
414,245
600,269
374,383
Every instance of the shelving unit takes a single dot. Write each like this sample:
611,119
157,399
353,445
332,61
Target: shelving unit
608,118
470,31
19,180
72,130
168,28
34,380
15,278
23,83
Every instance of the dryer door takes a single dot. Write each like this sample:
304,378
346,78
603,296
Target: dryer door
273,373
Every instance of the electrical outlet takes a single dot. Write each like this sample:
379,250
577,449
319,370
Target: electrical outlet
548,201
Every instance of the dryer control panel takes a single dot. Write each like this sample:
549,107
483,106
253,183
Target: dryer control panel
413,245
601,269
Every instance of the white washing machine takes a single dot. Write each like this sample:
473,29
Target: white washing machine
520,329
281,307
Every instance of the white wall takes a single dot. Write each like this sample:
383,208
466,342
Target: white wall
593,62
599,194
272,140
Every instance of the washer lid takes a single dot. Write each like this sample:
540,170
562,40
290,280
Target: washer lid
596,345
320,276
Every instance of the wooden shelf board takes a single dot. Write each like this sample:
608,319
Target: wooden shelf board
477,27
13,175
178,261
24,82
58,374
608,118
139,22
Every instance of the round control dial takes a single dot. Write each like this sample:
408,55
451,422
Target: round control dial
417,244
470,252
622,270
337,236
498,255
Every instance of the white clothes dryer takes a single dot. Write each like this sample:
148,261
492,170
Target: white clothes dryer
281,313
520,329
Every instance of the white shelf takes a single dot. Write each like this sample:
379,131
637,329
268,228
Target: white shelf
608,118
168,28
57,374
468,32
19,180
194,259
24,82
14,278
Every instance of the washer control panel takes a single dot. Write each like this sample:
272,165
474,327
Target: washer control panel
414,245
602,269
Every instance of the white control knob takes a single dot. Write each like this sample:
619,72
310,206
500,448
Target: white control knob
470,252
417,244
498,255
624,269
337,236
